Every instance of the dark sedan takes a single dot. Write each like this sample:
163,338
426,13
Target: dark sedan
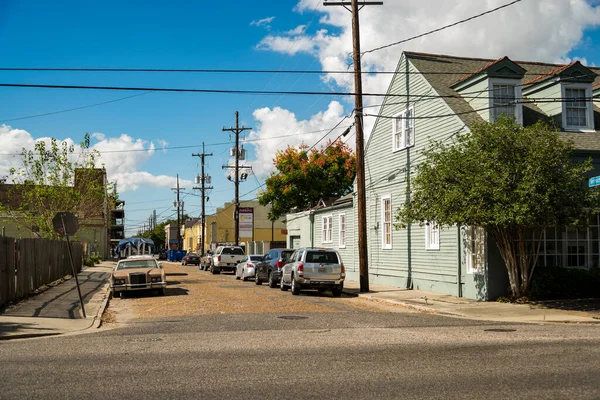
269,270
191,258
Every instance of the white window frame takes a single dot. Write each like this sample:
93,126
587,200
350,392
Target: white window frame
405,123
475,253
342,231
326,229
432,236
384,242
518,97
589,114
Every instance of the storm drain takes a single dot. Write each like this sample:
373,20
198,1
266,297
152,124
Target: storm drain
499,330
292,317
143,340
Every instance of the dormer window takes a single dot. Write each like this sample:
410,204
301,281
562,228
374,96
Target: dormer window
577,108
505,98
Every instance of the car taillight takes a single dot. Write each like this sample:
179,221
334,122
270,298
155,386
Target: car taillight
343,274
218,258
301,269
249,265
279,264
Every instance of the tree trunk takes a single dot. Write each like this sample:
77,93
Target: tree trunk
519,258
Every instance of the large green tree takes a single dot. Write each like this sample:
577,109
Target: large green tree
303,177
55,177
512,181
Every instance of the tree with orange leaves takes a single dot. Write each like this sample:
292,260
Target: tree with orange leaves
303,177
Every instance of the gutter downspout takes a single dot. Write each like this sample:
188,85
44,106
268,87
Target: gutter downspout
459,270
311,218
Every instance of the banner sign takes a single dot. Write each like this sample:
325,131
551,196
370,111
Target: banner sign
595,181
246,222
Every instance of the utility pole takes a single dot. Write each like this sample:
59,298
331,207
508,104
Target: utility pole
179,205
363,258
236,215
204,179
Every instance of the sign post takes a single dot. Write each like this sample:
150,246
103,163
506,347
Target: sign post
65,223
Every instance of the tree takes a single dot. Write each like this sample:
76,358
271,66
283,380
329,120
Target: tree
303,178
512,181
55,178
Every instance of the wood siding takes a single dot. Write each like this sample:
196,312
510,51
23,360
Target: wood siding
388,172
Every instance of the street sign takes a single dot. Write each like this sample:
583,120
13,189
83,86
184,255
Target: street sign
65,223
595,181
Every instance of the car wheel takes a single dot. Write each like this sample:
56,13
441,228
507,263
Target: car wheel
336,291
282,286
236,276
295,287
257,280
116,294
213,270
272,283
163,291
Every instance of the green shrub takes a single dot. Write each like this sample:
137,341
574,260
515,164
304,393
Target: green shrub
557,283
96,259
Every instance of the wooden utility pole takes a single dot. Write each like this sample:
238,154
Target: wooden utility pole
236,216
363,260
179,205
203,188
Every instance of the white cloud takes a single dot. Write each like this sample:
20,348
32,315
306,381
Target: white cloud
299,30
540,30
277,122
123,157
266,22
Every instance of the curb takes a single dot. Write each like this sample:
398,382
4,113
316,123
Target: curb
426,309
98,318
411,306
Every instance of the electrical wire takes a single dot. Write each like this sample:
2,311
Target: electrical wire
442,28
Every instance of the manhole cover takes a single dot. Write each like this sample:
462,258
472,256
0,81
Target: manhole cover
292,317
499,330
145,340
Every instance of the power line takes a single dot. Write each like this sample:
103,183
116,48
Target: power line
74,109
442,28
261,71
235,91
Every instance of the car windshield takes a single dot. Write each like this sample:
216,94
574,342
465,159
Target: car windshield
136,264
233,250
285,255
256,258
192,255
323,257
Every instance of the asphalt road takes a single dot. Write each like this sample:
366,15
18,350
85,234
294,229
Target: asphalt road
343,350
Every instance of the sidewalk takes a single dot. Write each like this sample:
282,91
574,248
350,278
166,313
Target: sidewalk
57,310
566,311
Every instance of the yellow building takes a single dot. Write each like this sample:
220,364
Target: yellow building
255,226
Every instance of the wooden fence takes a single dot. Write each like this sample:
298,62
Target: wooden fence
28,264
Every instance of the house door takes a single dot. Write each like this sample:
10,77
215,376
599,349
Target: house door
295,242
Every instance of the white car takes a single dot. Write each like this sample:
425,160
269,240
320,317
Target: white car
247,267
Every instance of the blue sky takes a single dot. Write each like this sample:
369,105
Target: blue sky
231,35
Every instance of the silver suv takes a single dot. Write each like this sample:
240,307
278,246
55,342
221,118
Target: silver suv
311,268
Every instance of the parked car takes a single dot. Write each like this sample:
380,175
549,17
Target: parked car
206,260
247,267
138,273
226,258
191,258
269,270
311,268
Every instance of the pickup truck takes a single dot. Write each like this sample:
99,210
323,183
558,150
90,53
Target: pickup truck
225,258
